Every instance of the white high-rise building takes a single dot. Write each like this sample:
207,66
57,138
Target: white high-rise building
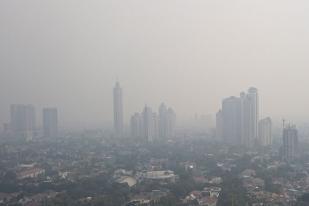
137,126
249,117
148,124
231,120
50,122
290,143
163,119
240,117
118,111
155,122
153,127
167,122
23,121
171,123
253,114
265,132
219,125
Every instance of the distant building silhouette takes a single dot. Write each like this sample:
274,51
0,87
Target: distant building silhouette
249,117
22,122
265,132
137,126
167,121
155,122
118,111
290,143
219,125
148,124
171,122
237,123
231,120
50,122
163,123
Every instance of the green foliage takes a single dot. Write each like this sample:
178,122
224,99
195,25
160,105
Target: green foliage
232,193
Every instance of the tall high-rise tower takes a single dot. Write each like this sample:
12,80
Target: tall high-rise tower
238,119
118,111
50,122
231,127
137,126
219,125
163,119
148,124
290,143
265,132
167,121
171,122
23,121
249,117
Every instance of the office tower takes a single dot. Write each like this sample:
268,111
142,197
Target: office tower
155,122
265,132
290,143
163,122
50,122
249,117
6,130
137,126
231,120
118,111
253,114
22,121
219,125
148,124
167,122
171,123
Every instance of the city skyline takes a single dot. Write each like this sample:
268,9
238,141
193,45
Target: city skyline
220,47
154,103
123,122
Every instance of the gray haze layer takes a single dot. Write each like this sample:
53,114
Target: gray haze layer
189,54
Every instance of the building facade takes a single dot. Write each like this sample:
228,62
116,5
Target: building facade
22,121
219,125
249,117
50,122
237,122
167,122
290,143
265,132
118,111
152,126
231,120
136,125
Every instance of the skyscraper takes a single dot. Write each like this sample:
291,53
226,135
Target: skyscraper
163,122
240,117
148,124
22,121
167,122
249,117
118,111
290,143
219,125
231,120
265,132
137,126
151,127
171,122
50,122
155,123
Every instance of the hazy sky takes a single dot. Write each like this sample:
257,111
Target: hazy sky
188,53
